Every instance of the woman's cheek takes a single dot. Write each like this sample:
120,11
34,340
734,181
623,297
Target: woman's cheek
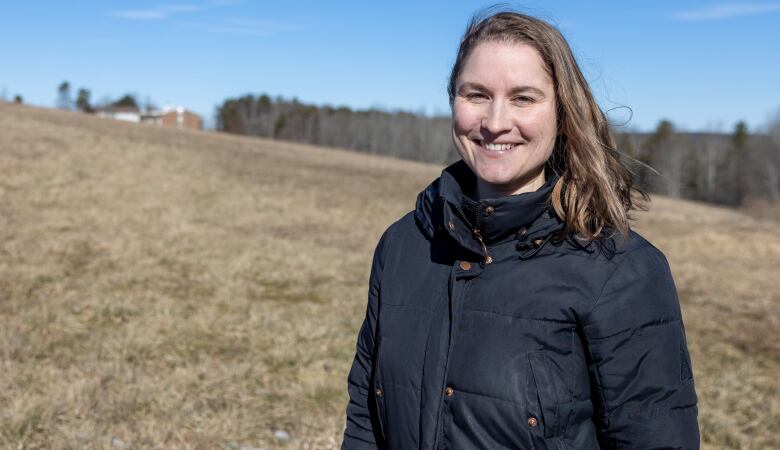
467,117
537,123
532,118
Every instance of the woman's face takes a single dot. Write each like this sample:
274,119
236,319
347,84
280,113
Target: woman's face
504,117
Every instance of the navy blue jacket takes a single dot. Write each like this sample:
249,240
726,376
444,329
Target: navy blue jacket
505,338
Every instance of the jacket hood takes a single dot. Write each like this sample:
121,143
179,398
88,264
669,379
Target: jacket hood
447,205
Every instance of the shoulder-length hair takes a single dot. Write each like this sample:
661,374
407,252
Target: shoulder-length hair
595,191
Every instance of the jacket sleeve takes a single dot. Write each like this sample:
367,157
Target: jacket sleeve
641,378
360,430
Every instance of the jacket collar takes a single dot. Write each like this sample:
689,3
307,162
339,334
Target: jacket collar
447,205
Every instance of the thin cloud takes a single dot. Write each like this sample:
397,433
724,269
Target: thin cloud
238,26
727,11
272,26
179,8
158,13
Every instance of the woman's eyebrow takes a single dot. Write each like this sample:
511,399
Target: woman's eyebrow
472,85
516,90
524,89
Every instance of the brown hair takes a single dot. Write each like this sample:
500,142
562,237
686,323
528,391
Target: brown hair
596,190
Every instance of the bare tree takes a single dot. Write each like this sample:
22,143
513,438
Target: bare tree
63,96
772,163
774,127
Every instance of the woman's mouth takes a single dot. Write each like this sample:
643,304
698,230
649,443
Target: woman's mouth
495,148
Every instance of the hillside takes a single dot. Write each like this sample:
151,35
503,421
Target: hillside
180,289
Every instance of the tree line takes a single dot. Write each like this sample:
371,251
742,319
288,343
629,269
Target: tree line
730,169
395,133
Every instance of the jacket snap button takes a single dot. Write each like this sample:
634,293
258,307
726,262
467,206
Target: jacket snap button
465,265
450,225
449,391
522,233
489,210
379,392
532,422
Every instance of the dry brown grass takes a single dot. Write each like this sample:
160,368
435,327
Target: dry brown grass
174,289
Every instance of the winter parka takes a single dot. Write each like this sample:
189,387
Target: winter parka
484,332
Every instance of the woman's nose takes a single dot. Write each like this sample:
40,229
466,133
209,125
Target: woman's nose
496,119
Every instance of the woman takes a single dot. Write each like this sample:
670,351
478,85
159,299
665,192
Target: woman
514,308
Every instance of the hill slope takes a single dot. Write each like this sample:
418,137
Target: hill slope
178,289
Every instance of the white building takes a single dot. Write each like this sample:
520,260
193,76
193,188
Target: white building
126,113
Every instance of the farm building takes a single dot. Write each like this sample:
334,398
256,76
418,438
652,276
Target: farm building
172,116
125,113
176,116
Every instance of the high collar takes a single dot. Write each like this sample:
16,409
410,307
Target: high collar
447,205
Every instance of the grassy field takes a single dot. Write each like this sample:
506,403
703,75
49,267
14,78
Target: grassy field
179,289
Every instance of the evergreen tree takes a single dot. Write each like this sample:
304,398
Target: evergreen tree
82,101
127,100
654,153
737,161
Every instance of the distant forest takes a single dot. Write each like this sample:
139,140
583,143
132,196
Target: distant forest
729,169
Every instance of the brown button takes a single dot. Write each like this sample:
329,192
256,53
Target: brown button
489,210
450,225
538,242
532,422
379,392
488,259
449,391
465,265
522,233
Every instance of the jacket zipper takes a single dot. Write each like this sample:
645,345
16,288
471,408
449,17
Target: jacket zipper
477,234
456,312
439,428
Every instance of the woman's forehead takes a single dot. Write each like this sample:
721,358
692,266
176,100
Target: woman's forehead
508,65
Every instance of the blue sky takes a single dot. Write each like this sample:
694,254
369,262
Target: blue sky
703,65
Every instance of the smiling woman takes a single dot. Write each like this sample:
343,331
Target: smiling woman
514,307
504,118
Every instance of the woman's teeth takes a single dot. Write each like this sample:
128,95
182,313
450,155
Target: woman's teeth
497,147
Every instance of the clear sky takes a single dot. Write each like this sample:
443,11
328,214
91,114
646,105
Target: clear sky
702,64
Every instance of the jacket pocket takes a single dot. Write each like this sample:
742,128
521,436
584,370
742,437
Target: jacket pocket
377,394
685,364
541,396
379,402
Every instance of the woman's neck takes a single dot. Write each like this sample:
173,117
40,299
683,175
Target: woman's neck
487,190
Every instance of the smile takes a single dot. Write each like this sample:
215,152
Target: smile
495,147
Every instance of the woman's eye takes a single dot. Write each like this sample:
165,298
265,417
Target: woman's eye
522,99
476,96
